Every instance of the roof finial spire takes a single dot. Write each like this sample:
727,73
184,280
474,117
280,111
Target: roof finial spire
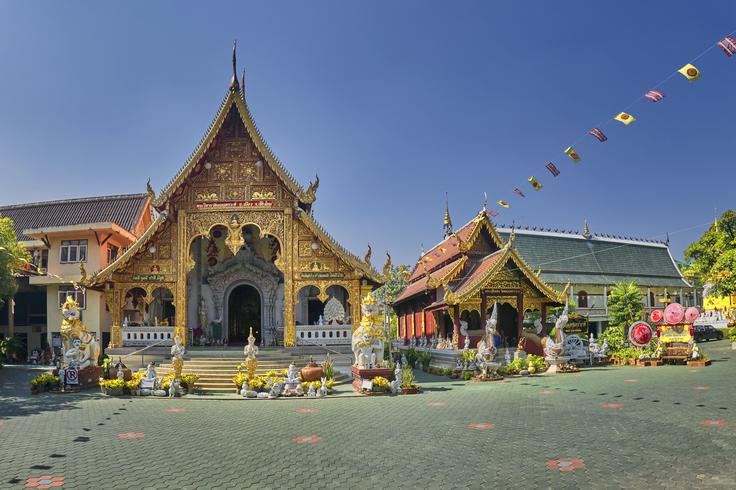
448,220
485,201
668,239
586,230
234,80
242,84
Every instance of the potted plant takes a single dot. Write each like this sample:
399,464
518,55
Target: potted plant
408,383
381,384
112,387
188,381
312,371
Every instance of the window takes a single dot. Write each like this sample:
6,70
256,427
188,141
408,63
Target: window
73,251
112,253
582,299
78,295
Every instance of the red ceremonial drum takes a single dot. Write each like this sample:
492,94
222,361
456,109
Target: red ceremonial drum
640,333
691,314
656,316
674,313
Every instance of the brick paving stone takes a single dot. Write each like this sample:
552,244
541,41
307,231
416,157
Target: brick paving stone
650,434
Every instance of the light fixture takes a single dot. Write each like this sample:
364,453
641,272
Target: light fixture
152,249
315,246
259,164
207,165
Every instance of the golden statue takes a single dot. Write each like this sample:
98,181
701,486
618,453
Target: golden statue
251,350
177,356
80,346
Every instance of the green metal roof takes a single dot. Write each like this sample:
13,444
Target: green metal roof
579,260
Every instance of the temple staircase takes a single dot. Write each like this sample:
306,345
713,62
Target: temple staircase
217,368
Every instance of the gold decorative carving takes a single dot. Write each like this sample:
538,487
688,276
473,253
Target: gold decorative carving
207,196
234,240
223,171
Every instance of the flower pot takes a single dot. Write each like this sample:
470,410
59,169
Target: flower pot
698,363
410,391
115,391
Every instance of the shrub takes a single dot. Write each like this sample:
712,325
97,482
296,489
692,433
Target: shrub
45,381
467,375
423,358
328,367
447,371
112,383
407,377
188,380
537,362
467,357
381,384
411,356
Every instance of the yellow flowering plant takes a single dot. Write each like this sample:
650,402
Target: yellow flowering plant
381,384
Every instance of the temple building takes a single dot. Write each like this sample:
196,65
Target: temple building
64,237
460,280
526,271
234,246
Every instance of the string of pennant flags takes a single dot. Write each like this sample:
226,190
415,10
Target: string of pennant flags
689,71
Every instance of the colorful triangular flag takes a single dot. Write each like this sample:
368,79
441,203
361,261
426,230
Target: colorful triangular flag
572,153
518,192
553,169
654,95
690,72
598,134
625,118
728,45
535,183
503,203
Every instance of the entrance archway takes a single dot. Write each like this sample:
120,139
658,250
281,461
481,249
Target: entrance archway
243,312
507,324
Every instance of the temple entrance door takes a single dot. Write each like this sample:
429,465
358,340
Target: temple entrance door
507,326
243,312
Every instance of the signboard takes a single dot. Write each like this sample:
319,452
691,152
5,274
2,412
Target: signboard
577,325
148,277
675,333
72,375
322,275
255,203
366,384
148,383
55,340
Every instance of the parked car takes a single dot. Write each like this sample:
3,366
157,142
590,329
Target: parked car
707,332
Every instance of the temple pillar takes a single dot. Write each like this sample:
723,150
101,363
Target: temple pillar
519,315
456,322
290,298
483,309
180,328
355,302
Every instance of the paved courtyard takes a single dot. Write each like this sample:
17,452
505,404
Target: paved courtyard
610,427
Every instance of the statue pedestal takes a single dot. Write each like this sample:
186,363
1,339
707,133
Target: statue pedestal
89,377
554,363
360,375
488,372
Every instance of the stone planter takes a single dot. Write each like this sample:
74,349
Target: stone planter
410,391
114,391
698,363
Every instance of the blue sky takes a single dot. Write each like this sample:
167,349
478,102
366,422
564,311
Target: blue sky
392,103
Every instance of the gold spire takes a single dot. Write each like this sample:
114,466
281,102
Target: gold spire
242,85
448,220
387,266
586,230
234,80
368,254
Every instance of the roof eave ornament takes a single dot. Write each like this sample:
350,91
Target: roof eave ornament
149,190
234,85
387,267
368,254
310,195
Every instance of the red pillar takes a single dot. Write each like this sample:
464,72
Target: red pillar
483,308
456,321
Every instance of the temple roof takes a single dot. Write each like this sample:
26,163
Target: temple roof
571,257
432,280
235,98
123,210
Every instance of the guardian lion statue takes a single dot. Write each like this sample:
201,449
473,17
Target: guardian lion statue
369,338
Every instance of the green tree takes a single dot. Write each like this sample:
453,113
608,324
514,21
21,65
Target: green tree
713,257
12,256
395,283
625,305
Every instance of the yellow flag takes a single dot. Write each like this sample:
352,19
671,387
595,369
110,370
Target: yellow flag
690,72
535,183
572,153
503,203
625,118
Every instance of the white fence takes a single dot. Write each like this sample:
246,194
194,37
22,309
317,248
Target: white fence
324,334
136,336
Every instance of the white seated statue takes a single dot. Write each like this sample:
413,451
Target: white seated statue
292,377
